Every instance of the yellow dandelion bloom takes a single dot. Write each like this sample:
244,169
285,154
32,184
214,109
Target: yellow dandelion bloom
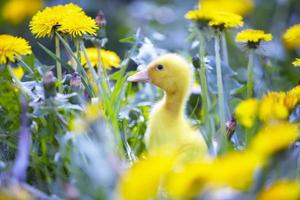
149,173
68,19
78,25
16,11
246,112
240,7
198,15
273,138
108,58
292,98
93,111
291,37
296,63
11,47
187,182
235,170
19,72
225,20
253,37
281,190
272,107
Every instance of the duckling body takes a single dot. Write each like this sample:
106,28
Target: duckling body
168,127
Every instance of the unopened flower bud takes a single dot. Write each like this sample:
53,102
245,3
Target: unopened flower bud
49,83
196,62
100,19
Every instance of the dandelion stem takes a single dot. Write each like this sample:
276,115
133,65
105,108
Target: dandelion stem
204,89
220,88
250,75
224,49
205,100
58,64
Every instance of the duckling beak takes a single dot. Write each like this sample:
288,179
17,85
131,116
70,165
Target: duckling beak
141,76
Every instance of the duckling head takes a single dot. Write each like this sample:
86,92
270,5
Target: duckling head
170,72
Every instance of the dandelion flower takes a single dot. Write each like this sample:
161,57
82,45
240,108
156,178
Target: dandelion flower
16,11
187,182
240,7
149,172
282,189
296,63
272,107
225,20
11,47
93,111
292,98
253,37
79,25
108,58
273,138
246,112
198,15
68,19
19,72
291,37
235,170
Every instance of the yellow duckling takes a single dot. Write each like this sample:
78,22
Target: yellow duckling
168,127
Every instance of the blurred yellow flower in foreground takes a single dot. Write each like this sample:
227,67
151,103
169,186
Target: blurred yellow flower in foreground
281,190
246,112
225,20
67,19
273,138
291,37
187,182
235,170
296,63
240,7
253,37
142,181
108,58
19,72
93,111
272,107
198,15
16,11
11,47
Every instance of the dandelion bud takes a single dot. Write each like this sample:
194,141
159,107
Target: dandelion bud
230,127
75,82
49,83
100,19
196,61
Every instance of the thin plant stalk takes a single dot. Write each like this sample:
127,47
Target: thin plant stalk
204,88
250,75
224,49
58,64
221,103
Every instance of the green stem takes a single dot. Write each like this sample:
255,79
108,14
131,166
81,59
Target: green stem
58,64
205,100
224,49
205,96
221,102
250,75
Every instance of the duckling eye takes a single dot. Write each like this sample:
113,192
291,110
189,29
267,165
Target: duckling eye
160,67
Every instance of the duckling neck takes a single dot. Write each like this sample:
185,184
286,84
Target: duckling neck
175,102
